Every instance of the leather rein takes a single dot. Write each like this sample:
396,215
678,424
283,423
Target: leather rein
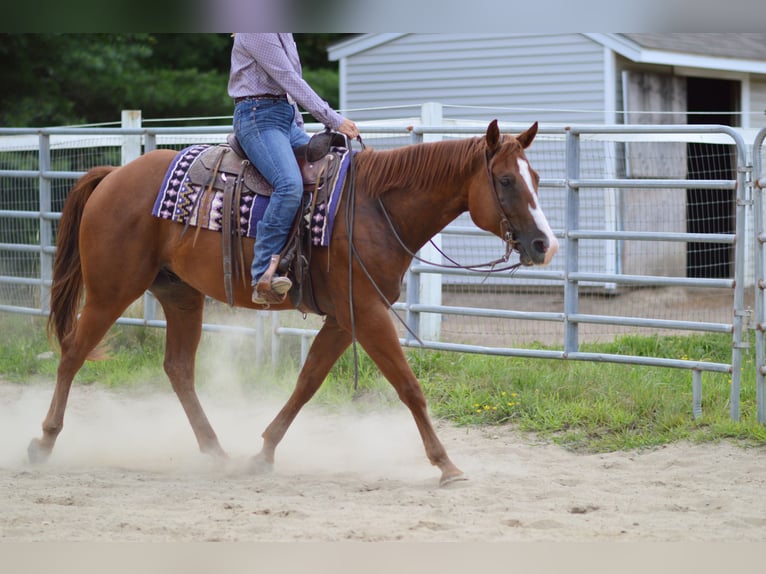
489,266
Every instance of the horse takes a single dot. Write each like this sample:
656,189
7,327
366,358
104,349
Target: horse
110,247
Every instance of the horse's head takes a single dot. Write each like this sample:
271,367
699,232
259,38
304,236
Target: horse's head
503,199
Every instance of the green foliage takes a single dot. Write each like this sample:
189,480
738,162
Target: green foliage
134,355
61,79
700,347
54,79
23,341
178,93
313,49
190,52
325,83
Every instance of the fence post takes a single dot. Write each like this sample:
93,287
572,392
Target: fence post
275,342
430,284
571,287
743,199
412,294
697,394
131,149
760,276
260,331
131,144
46,224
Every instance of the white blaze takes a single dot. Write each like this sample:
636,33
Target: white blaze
537,214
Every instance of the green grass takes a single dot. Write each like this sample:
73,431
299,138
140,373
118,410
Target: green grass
135,355
598,406
584,406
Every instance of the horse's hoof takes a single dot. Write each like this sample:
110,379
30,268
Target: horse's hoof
36,452
446,481
257,465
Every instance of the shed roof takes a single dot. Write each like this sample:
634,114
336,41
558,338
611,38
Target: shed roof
742,46
739,52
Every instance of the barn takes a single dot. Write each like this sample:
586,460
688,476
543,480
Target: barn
586,78
558,78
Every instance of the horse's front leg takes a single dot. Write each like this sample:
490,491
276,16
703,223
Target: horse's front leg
327,347
378,337
183,307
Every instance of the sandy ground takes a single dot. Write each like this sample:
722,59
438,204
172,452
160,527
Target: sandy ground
126,469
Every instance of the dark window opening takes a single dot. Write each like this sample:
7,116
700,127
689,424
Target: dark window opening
711,210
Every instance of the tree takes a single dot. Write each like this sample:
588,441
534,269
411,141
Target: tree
65,78
59,79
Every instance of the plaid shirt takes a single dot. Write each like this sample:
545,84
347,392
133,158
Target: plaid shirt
269,64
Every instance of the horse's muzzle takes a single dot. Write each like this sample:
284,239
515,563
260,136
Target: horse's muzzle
538,251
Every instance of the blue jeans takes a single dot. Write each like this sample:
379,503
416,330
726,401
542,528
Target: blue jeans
267,131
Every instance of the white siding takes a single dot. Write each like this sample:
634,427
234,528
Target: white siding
758,102
550,78
545,77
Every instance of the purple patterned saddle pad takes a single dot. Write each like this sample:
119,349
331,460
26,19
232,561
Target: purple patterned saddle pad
187,200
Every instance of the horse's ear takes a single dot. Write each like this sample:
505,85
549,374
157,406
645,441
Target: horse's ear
525,139
493,135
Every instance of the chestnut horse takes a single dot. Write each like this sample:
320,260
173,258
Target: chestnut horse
110,246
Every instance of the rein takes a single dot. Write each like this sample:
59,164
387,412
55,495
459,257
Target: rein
492,265
353,254
505,225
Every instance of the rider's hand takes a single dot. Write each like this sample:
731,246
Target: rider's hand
348,128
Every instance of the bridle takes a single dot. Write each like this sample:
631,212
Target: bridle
506,231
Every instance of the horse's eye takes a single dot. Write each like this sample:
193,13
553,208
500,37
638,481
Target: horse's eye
506,181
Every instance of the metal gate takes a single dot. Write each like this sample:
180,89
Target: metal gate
570,172
759,185
573,277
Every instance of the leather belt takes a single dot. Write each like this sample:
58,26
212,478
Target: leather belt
260,97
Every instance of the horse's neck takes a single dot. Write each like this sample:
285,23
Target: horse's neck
419,214
427,187
430,208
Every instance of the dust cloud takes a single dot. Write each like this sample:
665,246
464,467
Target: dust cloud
142,426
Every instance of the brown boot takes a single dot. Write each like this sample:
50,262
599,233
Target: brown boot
273,293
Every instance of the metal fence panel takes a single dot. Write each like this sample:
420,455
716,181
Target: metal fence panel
759,212
623,267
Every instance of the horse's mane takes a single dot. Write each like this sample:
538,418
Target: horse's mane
415,165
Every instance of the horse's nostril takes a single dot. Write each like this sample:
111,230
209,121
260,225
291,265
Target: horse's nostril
540,245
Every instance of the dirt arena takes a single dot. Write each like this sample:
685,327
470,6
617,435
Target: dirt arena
126,469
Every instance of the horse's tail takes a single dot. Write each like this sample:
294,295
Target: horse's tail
67,287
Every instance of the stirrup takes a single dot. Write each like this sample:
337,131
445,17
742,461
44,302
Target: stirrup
276,294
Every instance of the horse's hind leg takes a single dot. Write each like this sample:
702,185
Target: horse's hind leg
183,307
93,324
327,347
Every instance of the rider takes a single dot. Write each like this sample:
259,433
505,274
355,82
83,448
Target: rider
265,82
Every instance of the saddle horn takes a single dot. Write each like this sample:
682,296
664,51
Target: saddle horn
321,143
